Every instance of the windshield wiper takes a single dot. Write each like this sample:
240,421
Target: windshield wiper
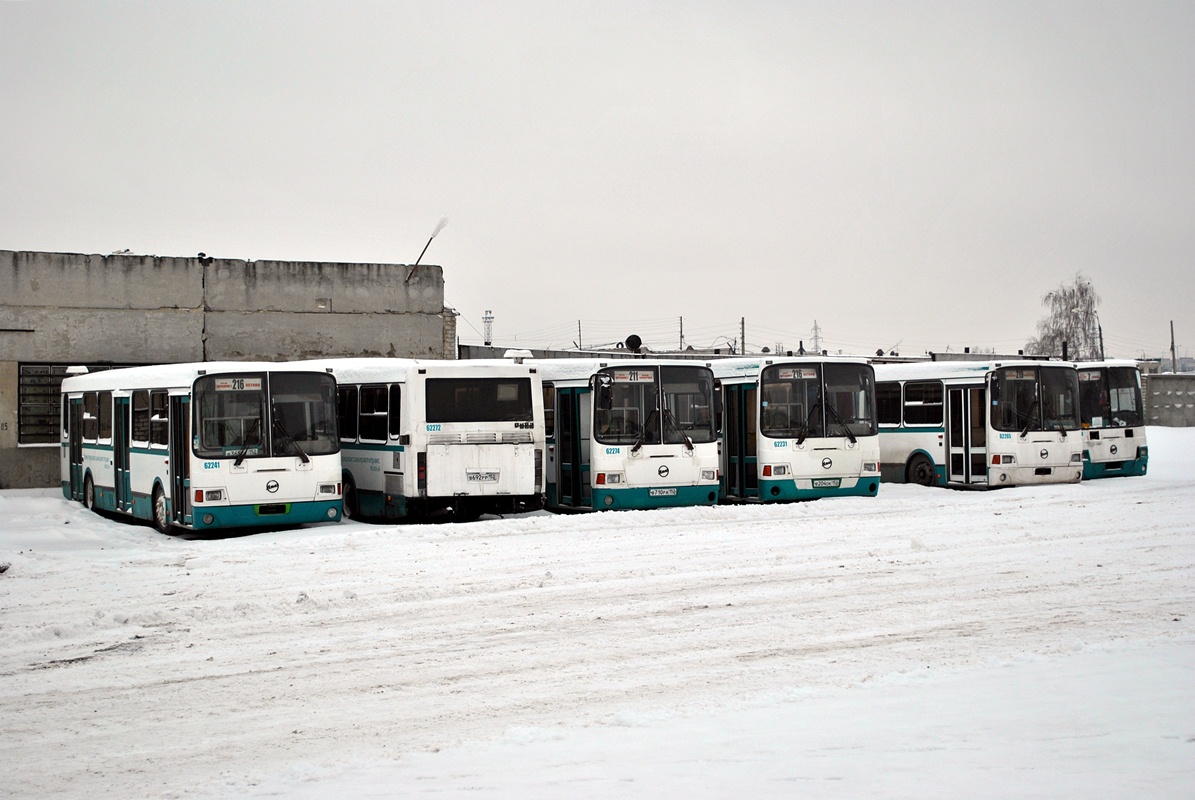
834,414
668,418
245,447
286,438
643,431
805,428
1029,418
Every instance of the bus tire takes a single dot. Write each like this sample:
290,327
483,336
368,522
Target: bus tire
349,501
161,521
89,493
920,470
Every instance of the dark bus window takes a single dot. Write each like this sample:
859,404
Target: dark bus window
923,403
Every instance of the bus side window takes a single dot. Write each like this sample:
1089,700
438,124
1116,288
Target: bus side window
159,423
888,403
372,415
549,409
141,416
106,416
346,412
923,403
395,410
91,417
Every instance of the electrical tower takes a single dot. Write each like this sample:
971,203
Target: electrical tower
817,337
488,327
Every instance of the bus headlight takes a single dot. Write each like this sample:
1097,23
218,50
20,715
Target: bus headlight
871,466
1076,458
709,474
997,460
327,488
609,478
209,495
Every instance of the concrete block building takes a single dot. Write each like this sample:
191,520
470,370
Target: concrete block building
63,309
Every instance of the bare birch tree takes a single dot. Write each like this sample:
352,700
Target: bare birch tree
1073,319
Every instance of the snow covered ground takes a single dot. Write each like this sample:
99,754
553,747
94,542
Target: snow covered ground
927,643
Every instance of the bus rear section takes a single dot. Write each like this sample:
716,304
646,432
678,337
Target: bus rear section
1114,443
425,438
484,441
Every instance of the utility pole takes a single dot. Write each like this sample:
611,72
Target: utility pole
1173,358
487,323
743,335
579,335
682,334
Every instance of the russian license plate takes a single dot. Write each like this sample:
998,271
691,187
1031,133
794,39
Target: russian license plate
477,476
661,492
827,483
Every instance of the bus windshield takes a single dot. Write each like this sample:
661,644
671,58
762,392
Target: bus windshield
1110,397
1035,398
251,415
793,403
650,405
479,400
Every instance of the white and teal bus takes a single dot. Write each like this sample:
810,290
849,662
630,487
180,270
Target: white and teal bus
979,424
1113,419
798,428
205,446
635,433
426,438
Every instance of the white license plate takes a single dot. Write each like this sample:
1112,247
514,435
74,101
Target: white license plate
827,483
661,492
474,476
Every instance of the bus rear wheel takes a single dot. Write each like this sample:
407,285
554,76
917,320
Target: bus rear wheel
88,494
921,470
161,521
349,508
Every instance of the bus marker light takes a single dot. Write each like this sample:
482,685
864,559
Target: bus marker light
331,513
601,479
199,495
767,470
208,519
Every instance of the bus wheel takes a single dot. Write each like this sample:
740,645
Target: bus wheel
161,522
88,494
921,470
350,510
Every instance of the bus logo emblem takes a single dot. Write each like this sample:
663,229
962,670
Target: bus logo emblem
1112,449
1045,453
272,487
663,471
827,463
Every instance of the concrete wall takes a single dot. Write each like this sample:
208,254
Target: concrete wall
1170,399
70,308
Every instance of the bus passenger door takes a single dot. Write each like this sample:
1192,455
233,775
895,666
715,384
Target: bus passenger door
966,444
738,441
120,452
571,471
180,461
76,448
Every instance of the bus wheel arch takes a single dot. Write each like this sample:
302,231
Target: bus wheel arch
920,470
161,519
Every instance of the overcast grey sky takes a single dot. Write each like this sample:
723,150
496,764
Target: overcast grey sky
911,175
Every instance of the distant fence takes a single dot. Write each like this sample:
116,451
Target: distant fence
1170,400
